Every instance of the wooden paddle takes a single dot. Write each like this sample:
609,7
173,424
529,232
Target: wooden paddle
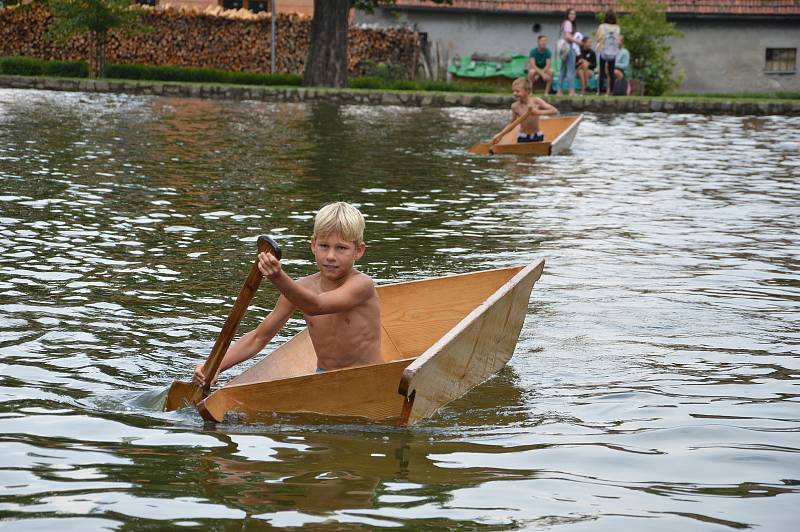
182,394
483,148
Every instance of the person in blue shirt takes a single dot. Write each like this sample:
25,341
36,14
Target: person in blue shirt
623,63
539,64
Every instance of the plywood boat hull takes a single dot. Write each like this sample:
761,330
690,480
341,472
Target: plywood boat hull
474,350
559,132
440,338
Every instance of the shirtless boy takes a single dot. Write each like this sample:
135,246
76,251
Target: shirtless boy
529,128
339,303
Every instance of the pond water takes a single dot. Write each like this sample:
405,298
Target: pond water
654,385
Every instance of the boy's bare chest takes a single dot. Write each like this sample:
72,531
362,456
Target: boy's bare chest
333,322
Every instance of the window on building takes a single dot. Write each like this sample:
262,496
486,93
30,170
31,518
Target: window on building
781,60
258,6
232,4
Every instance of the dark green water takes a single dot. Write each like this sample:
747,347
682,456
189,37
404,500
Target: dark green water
654,386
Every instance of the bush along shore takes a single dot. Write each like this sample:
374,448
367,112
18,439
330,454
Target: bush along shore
28,73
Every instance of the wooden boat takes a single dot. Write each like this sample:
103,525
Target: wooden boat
559,132
440,338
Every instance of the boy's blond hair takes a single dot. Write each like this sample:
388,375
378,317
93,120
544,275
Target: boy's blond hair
342,219
522,81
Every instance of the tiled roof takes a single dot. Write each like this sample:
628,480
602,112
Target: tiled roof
687,7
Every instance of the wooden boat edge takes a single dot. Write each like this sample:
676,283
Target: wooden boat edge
452,275
574,124
568,133
533,149
408,375
210,407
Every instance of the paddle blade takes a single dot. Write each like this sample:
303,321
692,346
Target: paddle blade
182,394
266,244
481,148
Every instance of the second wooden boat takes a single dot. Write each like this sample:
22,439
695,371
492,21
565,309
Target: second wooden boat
440,338
559,132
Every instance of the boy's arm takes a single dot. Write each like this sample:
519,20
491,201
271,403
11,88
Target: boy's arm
355,290
541,107
253,342
514,116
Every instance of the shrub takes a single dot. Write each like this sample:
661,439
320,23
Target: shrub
381,70
366,82
21,66
205,75
67,69
375,83
645,28
30,66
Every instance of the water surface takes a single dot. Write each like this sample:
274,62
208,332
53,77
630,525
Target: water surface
654,386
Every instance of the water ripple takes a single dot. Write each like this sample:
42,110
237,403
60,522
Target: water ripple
654,384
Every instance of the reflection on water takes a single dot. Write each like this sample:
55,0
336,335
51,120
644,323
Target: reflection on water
654,385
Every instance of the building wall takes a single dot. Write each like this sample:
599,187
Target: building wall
716,54
452,33
729,55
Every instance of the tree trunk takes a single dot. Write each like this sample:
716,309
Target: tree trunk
98,63
327,55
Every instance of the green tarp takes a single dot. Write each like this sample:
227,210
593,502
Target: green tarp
512,67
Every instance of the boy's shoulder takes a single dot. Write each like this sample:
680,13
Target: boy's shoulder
362,278
355,277
310,281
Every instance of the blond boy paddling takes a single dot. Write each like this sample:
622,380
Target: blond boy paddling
529,128
339,303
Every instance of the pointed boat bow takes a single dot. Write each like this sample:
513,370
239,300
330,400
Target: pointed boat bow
471,352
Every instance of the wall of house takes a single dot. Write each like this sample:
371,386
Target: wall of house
717,55
729,55
454,33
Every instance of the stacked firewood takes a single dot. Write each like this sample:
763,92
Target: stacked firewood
235,40
396,46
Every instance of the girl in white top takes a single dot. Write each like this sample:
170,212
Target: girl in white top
608,43
568,28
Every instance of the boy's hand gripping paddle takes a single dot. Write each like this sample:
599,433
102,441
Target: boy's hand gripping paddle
483,148
181,393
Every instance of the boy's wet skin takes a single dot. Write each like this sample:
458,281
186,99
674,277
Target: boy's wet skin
339,303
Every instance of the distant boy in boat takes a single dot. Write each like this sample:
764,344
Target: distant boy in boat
529,128
339,303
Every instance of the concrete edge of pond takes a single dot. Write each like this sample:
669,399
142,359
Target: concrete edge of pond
406,98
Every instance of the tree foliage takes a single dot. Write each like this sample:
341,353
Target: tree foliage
95,17
646,30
